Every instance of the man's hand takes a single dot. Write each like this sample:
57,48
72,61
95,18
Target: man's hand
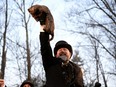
2,83
42,27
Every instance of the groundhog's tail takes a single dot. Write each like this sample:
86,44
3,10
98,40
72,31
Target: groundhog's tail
51,37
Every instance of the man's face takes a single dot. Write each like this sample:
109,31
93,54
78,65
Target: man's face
63,52
26,85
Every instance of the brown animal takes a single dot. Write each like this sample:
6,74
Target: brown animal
42,13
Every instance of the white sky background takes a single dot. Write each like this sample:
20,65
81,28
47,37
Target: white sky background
58,9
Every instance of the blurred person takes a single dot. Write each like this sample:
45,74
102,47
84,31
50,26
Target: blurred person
27,83
2,83
97,84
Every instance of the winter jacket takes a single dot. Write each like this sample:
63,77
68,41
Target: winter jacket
57,75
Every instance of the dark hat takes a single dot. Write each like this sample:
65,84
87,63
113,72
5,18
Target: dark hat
62,44
27,82
97,84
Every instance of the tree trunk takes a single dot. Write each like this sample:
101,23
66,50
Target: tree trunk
3,64
27,46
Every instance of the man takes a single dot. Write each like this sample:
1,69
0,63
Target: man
60,71
27,83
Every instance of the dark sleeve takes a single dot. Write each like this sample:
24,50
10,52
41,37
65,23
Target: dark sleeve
46,50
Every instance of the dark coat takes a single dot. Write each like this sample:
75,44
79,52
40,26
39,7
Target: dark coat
58,75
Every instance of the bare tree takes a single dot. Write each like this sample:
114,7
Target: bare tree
88,23
99,67
108,9
25,22
4,50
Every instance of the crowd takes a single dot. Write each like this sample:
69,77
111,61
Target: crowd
28,83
